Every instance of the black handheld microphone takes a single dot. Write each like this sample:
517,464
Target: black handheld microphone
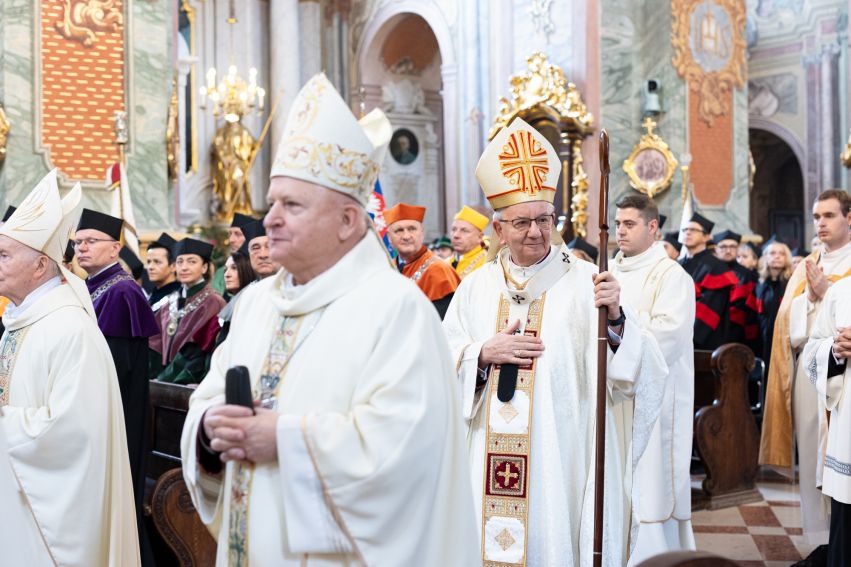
238,388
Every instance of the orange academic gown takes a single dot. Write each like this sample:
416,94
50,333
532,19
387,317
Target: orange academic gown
435,277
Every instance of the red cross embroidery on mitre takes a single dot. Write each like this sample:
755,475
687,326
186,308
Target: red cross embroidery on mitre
523,162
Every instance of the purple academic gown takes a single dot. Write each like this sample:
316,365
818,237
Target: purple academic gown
126,320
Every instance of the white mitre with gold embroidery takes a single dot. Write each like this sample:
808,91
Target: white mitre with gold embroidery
519,165
324,143
44,222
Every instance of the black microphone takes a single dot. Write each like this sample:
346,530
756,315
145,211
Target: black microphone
507,382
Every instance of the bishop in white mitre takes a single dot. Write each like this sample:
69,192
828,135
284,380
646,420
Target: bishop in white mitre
523,334
826,356
356,454
661,293
62,417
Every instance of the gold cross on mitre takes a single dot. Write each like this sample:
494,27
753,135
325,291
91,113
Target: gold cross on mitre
649,124
524,162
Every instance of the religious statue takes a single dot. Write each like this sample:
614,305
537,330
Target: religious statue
233,153
5,126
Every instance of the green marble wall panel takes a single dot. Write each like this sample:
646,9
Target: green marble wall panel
148,72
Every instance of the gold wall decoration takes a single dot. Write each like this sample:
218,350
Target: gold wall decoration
5,126
845,156
172,134
651,164
82,18
544,85
579,202
708,37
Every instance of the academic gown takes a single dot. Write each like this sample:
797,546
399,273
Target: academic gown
560,476
713,285
160,293
744,323
434,277
659,290
126,321
768,294
370,441
64,425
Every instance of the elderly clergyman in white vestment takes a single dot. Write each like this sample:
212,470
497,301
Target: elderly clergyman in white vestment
356,454
62,417
523,333
662,295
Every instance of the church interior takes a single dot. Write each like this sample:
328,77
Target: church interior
169,112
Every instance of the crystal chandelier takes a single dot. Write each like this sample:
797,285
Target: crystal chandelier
233,97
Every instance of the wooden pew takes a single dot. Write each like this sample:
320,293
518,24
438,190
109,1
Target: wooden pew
725,431
168,503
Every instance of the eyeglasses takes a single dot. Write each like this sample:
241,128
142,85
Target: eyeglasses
91,241
690,229
544,222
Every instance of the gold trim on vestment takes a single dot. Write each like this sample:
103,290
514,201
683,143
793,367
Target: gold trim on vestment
505,492
8,356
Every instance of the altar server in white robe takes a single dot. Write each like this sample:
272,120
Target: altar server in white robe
356,454
662,294
826,355
791,403
61,408
522,330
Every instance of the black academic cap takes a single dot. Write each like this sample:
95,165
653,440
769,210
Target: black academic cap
704,222
240,220
133,262
581,244
10,210
251,231
164,240
69,252
727,235
672,238
771,240
95,220
662,219
192,246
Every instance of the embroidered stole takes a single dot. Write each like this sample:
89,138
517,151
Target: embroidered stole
508,444
283,345
8,356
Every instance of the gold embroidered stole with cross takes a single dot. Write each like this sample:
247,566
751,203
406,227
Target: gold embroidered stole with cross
8,356
508,443
282,348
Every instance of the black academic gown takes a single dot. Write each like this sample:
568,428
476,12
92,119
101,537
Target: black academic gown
158,294
713,284
126,321
744,322
768,294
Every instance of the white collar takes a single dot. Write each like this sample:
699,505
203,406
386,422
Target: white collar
838,253
522,273
102,270
14,311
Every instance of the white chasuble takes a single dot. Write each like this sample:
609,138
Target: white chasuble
833,391
549,521
372,467
64,427
662,294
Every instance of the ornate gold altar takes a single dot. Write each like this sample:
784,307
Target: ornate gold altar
543,97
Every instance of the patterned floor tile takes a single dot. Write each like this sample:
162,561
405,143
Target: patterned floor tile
733,546
776,548
759,516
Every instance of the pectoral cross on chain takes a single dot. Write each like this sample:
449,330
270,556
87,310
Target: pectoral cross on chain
565,257
518,298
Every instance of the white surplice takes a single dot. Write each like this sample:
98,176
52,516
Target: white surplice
833,391
662,294
561,480
372,468
808,410
64,428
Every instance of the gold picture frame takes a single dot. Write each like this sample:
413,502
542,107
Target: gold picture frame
651,164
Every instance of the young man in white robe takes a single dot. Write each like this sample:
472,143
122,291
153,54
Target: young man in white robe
61,408
826,355
356,453
788,385
523,334
662,294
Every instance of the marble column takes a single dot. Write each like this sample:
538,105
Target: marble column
284,65
829,115
310,43
449,74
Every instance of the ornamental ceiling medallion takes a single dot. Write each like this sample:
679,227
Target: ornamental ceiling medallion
543,84
651,165
709,51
